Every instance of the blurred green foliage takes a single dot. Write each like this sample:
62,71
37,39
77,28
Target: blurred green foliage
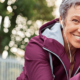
29,9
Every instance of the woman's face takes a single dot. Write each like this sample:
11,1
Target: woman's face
72,26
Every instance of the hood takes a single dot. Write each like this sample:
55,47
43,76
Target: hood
52,30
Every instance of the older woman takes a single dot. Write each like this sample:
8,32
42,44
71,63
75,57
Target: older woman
55,53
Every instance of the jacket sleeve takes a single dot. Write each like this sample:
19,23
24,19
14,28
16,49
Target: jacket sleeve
76,77
37,66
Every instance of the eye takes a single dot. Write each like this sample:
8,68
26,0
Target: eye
75,20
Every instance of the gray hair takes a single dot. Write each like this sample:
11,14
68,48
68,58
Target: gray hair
65,6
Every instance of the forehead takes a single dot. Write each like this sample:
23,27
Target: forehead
74,11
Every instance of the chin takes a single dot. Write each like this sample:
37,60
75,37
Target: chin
76,45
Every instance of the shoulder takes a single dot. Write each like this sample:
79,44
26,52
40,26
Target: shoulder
34,50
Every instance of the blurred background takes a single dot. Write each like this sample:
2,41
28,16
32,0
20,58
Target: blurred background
20,20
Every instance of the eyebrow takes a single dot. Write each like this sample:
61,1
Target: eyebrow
76,16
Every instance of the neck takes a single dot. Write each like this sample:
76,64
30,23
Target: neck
72,49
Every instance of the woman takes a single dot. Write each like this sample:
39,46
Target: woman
55,53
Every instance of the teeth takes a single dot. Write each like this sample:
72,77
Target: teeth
77,37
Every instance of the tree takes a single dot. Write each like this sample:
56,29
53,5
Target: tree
28,10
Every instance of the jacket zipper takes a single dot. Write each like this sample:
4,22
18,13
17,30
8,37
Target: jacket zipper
77,71
59,59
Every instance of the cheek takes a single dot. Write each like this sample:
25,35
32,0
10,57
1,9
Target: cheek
69,34
70,28
67,31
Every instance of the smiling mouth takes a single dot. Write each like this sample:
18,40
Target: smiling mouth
78,37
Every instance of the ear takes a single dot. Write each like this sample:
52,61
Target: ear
61,21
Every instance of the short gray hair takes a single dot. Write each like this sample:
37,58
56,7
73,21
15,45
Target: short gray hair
65,6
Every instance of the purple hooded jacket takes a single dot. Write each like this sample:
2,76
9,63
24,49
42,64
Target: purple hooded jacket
45,57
